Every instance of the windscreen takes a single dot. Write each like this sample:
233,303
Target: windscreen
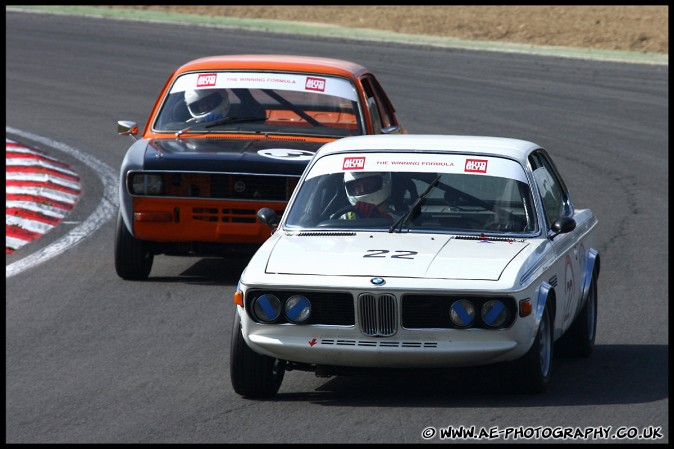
415,192
261,102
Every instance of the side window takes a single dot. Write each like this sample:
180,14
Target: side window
374,114
381,111
552,189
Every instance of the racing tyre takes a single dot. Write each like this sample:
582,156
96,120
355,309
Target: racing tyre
133,260
531,373
578,341
252,375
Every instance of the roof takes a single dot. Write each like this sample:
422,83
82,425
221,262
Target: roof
275,62
500,146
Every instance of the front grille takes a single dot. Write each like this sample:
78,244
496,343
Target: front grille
231,186
377,315
250,187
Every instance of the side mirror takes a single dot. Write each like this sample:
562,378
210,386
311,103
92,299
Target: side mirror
562,225
126,128
391,130
268,216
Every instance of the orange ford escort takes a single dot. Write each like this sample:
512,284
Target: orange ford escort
227,136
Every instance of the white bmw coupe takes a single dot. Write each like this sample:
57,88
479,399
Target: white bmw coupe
419,251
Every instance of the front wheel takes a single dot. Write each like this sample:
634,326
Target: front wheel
133,260
578,341
252,375
531,373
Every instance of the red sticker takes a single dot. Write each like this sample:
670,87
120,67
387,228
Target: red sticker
476,165
317,84
206,79
353,163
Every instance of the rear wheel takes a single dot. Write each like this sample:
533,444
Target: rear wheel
252,375
531,373
578,341
133,259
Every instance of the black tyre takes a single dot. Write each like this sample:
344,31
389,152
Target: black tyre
531,373
578,341
133,260
252,375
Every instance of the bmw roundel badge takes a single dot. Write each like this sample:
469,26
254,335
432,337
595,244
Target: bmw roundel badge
378,281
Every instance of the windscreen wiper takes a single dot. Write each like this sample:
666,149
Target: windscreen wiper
221,121
227,120
415,210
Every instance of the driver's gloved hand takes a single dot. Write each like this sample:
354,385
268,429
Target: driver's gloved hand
365,209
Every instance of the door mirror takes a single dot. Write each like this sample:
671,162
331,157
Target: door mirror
561,226
268,216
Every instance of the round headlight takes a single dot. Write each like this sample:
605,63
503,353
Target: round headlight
267,308
494,313
298,309
462,313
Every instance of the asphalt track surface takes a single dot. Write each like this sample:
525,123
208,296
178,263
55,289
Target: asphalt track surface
94,359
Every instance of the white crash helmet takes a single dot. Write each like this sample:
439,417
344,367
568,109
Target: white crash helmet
203,102
368,187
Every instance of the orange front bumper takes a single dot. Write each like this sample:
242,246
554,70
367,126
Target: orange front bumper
191,220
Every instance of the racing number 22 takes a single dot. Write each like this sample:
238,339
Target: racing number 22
399,254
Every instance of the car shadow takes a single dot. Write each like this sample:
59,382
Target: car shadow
613,374
208,271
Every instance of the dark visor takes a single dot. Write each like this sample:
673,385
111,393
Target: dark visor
206,104
363,186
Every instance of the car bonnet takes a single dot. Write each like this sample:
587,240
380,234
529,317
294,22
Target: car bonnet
227,155
393,255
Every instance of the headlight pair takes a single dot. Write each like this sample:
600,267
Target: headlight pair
267,308
494,313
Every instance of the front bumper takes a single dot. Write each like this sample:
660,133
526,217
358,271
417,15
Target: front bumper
347,346
190,220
